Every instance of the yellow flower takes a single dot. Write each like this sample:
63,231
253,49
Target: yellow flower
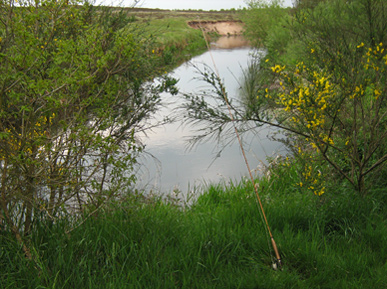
277,68
377,93
321,192
360,45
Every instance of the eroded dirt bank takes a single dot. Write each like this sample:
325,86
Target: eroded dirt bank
220,27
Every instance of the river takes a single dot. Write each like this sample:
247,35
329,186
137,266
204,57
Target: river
168,165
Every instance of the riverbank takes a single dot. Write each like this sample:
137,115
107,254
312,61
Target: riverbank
218,242
176,34
221,27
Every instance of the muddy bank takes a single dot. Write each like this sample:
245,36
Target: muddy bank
220,27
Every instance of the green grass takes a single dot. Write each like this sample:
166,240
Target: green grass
219,242
175,40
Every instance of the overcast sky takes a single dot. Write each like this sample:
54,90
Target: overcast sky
192,4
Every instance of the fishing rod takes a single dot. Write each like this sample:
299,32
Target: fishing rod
277,264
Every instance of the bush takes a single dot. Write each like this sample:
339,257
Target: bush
73,95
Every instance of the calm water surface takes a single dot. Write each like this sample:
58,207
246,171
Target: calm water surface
172,166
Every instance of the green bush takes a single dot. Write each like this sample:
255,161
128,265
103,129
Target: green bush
74,92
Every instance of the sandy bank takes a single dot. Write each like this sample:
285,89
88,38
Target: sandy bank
220,27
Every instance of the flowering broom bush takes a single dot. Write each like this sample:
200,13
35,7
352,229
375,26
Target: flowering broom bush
331,99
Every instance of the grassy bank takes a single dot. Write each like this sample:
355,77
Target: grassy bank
336,241
174,39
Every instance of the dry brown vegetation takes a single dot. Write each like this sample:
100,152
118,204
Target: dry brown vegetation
146,13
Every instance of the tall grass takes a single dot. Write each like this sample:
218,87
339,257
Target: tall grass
219,242
175,40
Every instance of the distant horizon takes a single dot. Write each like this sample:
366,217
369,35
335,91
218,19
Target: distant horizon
186,4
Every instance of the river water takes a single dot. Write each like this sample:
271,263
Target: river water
168,165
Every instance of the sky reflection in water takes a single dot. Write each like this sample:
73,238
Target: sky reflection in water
181,169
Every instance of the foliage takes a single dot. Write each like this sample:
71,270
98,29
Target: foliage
306,4
342,119
336,98
330,95
260,17
72,97
175,40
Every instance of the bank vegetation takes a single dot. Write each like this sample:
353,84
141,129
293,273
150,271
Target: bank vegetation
75,90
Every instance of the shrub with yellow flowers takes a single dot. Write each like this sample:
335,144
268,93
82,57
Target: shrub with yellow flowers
340,116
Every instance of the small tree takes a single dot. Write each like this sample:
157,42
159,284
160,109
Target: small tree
72,97
260,17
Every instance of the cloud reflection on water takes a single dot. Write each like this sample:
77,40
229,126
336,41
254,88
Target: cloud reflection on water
181,168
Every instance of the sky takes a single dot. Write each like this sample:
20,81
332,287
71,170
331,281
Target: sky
192,4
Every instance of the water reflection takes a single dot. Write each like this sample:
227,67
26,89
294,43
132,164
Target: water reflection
179,168
230,42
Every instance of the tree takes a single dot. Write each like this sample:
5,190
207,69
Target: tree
73,94
304,4
260,17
